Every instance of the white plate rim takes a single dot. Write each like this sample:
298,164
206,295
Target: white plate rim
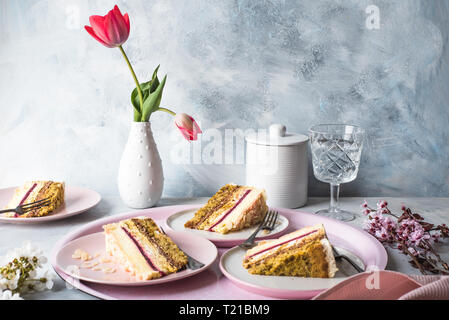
55,216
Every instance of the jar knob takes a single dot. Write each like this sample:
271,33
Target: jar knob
277,130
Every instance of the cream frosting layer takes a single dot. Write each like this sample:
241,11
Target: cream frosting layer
126,252
329,257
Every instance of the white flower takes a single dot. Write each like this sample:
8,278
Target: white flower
33,274
7,295
3,284
42,260
39,286
49,284
49,279
26,269
10,284
27,250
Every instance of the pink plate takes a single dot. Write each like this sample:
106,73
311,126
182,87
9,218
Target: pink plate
77,200
211,284
197,247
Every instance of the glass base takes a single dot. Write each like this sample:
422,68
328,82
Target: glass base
338,214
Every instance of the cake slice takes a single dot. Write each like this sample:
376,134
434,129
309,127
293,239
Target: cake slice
302,253
34,191
139,246
232,208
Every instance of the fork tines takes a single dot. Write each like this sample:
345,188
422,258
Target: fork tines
270,220
35,202
267,217
35,205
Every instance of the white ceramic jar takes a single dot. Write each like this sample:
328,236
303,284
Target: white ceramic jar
277,161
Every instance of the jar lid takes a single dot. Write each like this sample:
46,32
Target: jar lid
277,135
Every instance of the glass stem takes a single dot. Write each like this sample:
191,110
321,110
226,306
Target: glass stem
335,190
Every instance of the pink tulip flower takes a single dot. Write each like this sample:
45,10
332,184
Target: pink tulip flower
187,125
112,30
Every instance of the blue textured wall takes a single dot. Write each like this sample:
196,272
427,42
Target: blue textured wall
231,64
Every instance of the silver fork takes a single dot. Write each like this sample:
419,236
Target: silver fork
339,256
267,223
271,223
25,208
192,263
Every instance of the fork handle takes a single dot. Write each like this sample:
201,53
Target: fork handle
196,263
352,263
7,210
252,237
192,259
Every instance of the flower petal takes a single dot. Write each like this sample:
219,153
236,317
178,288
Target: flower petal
92,33
97,23
196,128
116,29
120,20
117,9
126,18
111,30
185,133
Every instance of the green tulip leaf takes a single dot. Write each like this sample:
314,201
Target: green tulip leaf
154,80
135,100
145,86
137,116
154,84
153,101
155,72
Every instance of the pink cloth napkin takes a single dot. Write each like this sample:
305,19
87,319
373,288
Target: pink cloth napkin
388,285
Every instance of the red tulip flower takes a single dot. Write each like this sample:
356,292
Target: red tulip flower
112,30
187,125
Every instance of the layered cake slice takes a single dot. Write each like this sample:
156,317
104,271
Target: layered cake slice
34,191
302,253
232,208
139,246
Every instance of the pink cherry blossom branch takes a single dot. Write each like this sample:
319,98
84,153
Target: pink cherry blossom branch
408,233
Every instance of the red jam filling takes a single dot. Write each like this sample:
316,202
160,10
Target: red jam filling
229,211
26,196
142,251
280,244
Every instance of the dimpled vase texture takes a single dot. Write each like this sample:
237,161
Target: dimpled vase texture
140,176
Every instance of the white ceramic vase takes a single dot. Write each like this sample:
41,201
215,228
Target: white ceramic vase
140,176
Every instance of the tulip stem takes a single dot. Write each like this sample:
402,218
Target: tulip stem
166,110
139,90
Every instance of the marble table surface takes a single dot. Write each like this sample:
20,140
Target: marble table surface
435,210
